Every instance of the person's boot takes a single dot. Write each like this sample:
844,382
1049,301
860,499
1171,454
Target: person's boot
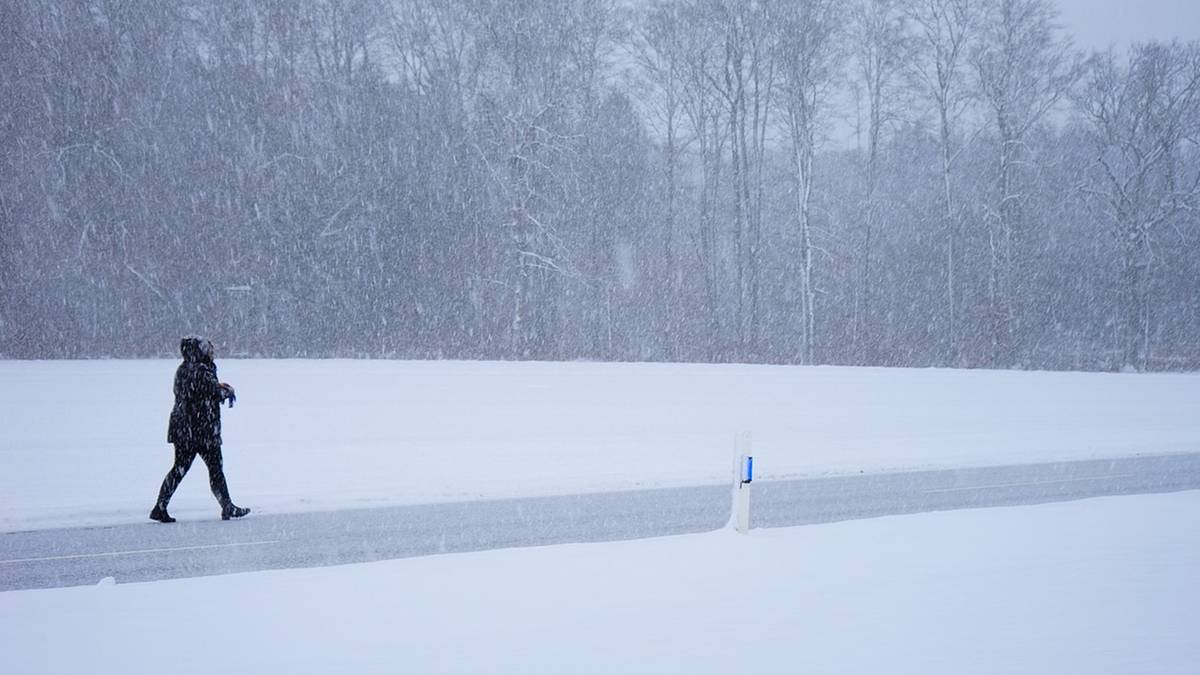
231,511
160,514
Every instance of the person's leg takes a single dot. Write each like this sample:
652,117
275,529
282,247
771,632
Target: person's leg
216,480
183,461
211,454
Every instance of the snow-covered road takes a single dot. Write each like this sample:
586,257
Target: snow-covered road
208,546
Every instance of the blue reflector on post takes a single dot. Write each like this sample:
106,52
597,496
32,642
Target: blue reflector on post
747,468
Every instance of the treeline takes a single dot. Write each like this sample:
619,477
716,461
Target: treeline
889,182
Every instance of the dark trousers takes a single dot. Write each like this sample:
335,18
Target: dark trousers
184,456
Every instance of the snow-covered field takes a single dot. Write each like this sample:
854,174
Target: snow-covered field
1100,586
84,442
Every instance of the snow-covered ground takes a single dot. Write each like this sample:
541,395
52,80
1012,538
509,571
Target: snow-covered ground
84,442
1099,586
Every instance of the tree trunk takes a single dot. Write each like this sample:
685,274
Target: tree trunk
802,153
1002,255
953,354
1133,305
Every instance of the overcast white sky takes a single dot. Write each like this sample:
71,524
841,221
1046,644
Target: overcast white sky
1095,24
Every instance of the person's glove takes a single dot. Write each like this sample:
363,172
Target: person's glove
228,394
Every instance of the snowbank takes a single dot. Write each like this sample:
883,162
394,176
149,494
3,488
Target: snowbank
1100,586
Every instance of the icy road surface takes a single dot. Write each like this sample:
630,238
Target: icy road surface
151,551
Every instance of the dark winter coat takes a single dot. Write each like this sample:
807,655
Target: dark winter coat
196,417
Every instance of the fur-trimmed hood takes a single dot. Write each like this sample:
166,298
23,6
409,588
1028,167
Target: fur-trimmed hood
196,349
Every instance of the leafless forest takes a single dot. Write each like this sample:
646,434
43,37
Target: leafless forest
876,182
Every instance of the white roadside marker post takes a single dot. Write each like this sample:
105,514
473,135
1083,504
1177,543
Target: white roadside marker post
744,474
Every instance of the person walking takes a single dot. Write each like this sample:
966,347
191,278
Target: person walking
195,427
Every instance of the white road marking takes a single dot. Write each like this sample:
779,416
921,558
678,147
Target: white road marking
110,554
1028,483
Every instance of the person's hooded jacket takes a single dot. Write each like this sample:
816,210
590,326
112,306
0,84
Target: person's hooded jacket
196,417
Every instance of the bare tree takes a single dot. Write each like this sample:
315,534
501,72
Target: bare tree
659,47
434,47
744,83
702,107
808,55
541,59
878,36
943,28
1024,65
342,34
1144,121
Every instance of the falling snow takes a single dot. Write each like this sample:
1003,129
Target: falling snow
870,183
